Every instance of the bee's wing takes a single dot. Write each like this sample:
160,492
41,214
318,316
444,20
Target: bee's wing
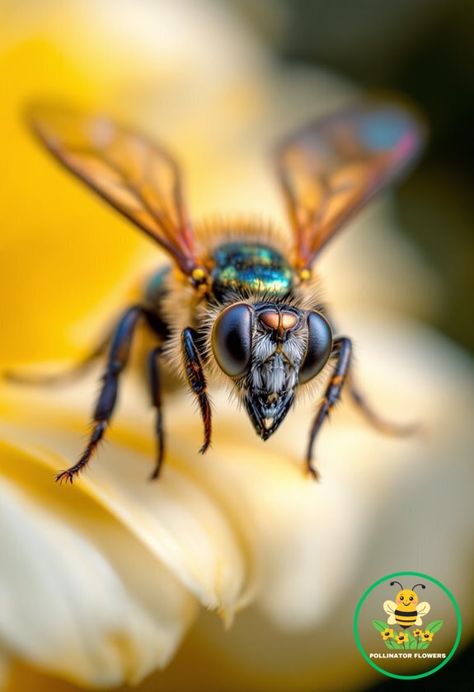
423,608
136,176
389,607
331,169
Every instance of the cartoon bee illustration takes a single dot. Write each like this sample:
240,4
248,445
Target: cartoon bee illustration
406,610
239,303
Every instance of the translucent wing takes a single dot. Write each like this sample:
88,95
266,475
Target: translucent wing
331,169
136,176
423,608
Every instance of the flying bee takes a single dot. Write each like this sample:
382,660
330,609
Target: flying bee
239,302
406,610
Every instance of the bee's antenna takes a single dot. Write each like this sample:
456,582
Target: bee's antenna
396,582
422,586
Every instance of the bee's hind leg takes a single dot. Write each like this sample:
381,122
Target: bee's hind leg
155,391
342,350
373,418
67,376
117,360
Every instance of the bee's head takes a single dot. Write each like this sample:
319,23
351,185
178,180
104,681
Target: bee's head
268,349
407,598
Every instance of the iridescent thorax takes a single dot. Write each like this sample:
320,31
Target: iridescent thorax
250,267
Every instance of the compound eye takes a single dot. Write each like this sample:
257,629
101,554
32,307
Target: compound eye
402,597
232,339
319,347
411,598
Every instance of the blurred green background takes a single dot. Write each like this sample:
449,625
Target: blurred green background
425,50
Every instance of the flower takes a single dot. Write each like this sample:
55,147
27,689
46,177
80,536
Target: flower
387,634
402,638
417,633
427,636
115,578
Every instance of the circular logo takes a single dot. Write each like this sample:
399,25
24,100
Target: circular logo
407,625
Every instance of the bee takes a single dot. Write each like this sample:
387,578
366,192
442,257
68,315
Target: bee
406,610
239,302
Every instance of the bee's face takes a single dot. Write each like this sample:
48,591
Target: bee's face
268,349
407,599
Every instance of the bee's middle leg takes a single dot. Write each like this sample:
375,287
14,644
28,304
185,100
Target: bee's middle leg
117,360
63,377
197,381
342,350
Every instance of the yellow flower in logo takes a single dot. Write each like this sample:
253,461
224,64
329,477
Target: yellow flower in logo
387,634
427,636
417,633
402,638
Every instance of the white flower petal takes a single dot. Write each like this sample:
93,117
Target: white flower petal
178,522
287,522
79,594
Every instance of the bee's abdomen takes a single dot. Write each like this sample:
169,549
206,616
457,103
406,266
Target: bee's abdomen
156,291
406,618
250,267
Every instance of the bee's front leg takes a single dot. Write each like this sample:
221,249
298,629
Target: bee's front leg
118,357
342,350
197,381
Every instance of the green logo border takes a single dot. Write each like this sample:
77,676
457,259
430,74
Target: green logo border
421,575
